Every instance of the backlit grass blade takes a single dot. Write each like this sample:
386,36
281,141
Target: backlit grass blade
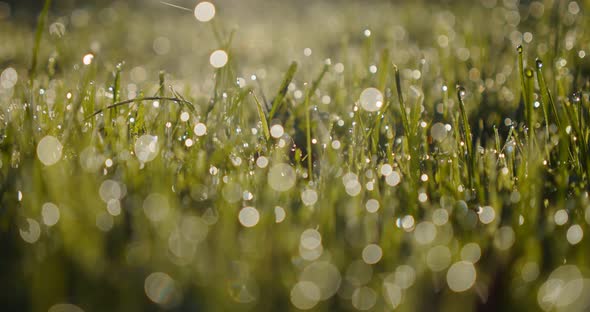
546,99
308,96
404,114
151,98
278,100
467,136
42,20
262,117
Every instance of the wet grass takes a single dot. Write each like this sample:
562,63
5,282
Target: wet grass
136,176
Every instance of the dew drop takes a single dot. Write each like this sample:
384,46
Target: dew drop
156,207
218,58
249,216
281,177
200,129
574,234
87,59
146,148
50,214
49,150
305,295
309,197
461,276
204,11
461,92
371,99
280,214
277,131
372,254
160,288
8,78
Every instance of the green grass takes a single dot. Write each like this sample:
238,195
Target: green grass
174,191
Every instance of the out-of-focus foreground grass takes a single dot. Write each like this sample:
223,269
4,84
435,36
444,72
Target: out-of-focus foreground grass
262,155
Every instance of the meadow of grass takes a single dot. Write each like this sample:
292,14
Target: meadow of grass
277,156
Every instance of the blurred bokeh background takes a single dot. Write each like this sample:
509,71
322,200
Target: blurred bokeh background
106,254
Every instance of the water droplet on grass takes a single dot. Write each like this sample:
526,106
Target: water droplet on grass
461,276
371,99
50,214
504,238
204,11
156,207
574,234
32,232
560,217
440,216
305,295
438,132
471,252
323,274
461,92
277,131
438,258
87,59
218,58
8,78
393,179
372,205
146,148
425,232
200,129
364,298
310,239
249,216
281,177
160,288
372,254
392,292
280,214
487,214
309,197
49,150
262,162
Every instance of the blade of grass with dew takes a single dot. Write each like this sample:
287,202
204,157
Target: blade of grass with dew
529,95
315,84
41,21
110,115
262,117
162,107
467,136
278,100
126,102
545,97
398,87
525,92
375,130
409,141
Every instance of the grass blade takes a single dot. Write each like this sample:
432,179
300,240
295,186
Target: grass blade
151,98
278,100
310,93
398,86
262,116
38,35
467,136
